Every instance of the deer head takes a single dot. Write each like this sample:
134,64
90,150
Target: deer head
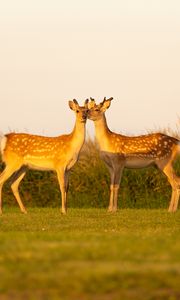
97,110
80,111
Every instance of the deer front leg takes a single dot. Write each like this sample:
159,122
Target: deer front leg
116,174
111,199
63,183
117,180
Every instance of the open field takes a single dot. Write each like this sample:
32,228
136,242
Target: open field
89,254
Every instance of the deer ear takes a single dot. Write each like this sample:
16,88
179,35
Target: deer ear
75,101
72,105
105,105
86,103
91,104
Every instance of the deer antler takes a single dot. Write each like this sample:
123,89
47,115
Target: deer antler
104,100
107,99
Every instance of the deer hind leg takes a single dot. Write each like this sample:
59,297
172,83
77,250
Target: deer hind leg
175,193
8,171
16,179
175,184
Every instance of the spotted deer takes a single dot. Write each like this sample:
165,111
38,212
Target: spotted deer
21,151
120,151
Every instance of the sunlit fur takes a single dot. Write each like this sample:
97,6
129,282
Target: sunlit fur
21,151
120,151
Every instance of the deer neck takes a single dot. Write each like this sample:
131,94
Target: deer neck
102,133
78,135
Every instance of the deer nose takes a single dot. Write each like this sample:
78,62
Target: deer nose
84,115
89,112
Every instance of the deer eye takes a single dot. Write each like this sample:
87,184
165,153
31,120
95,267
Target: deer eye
96,109
77,111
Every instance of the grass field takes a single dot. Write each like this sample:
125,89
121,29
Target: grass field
89,254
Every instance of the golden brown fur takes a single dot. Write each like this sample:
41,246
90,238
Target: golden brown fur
119,151
21,151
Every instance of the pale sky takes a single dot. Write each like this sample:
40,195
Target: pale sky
52,51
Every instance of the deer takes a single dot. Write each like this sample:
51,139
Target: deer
23,151
120,151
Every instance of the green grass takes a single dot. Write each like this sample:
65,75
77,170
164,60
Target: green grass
89,254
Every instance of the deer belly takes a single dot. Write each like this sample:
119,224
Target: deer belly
131,162
137,163
39,163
